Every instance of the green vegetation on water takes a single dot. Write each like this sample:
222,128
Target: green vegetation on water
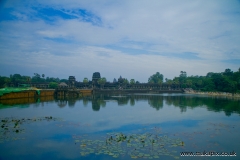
146,145
9,127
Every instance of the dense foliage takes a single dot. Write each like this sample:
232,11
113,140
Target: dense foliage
155,78
227,81
17,78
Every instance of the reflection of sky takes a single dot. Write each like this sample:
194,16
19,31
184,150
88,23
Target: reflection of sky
113,116
51,137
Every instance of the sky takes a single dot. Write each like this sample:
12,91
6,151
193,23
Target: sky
134,39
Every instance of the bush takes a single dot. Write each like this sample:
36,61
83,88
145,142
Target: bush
53,85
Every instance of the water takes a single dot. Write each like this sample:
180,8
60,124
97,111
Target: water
142,126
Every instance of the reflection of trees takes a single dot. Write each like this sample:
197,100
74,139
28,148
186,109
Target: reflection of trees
122,101
85,102
103,103
156,102
95,105
71,102
61,103
97,102
183,102
212,103
132,101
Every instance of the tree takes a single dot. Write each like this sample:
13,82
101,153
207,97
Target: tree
4,81
37,78
228,85
125,82
102,81
52,79
28,79
151,82
189,83
182,78
155,78
169,82
183,74
209,74
228,72
160,82
199,83
43,75
64,80
36,75
132,81
16,79
176,82
208,85
53,85
85,81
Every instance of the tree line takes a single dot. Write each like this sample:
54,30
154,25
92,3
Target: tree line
15,79
227,81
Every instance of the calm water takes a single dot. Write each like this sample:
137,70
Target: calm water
143,126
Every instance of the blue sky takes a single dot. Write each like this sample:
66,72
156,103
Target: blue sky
134,39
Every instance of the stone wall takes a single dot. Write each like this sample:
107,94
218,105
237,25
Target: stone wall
27,94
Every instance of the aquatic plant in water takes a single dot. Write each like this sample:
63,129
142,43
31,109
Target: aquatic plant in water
145,145
10,128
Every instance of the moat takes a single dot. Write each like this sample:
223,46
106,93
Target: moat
119,126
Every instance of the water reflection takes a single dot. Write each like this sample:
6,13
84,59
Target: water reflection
71,102
132,101
156,102
61,103
25,102
84,122
96,101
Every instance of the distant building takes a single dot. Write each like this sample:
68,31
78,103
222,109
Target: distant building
120,79
116,84
71,81
63,85
95,77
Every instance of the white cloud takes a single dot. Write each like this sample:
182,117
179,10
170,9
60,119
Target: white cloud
209,29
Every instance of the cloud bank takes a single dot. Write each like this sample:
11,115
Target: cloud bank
128,38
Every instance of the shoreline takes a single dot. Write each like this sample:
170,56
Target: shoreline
222,94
